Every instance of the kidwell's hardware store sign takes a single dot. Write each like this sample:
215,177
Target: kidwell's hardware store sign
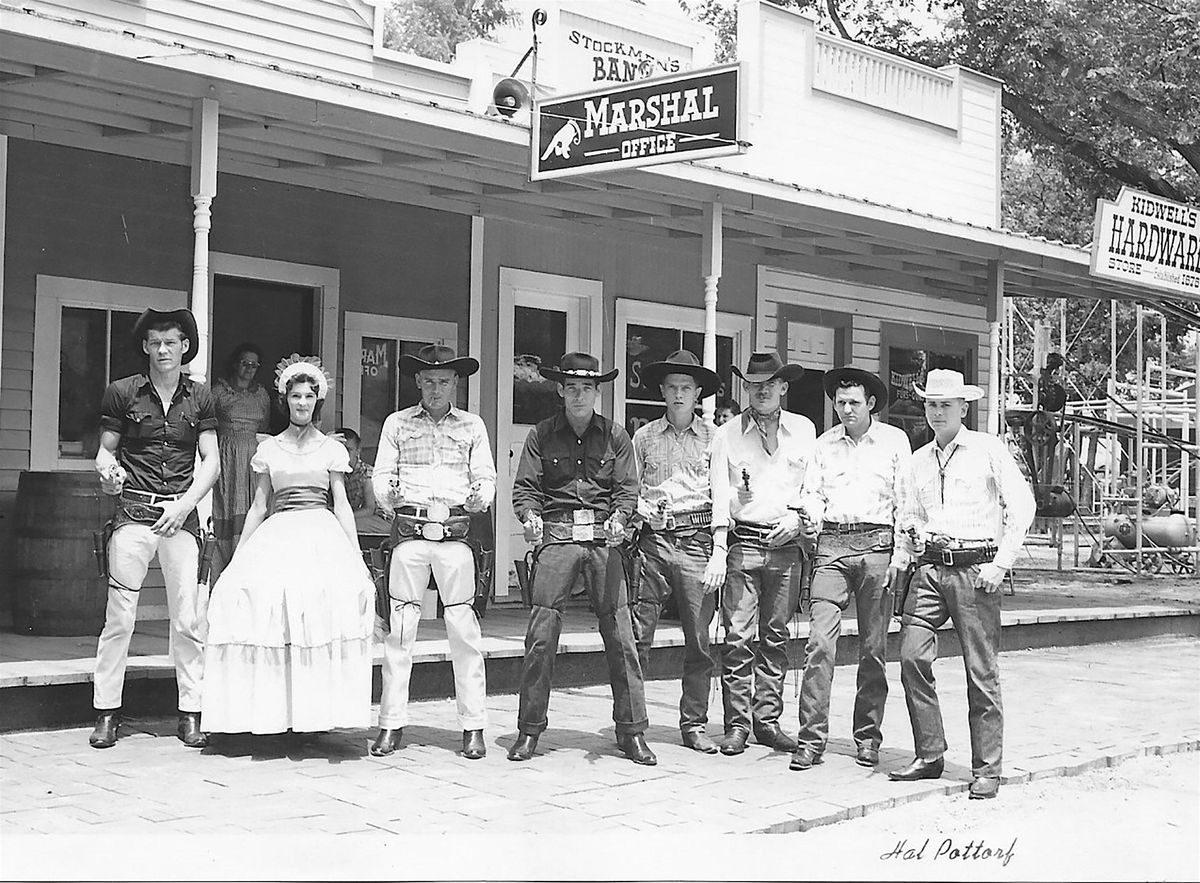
1149,240
667,119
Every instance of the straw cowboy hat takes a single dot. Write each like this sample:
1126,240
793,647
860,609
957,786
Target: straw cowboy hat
768,366
187,322
437,356
682,362
872,383
578,366
942,384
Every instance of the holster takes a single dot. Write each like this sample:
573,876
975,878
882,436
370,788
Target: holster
207,543
379,561
808,570
898,586
100,540
631,561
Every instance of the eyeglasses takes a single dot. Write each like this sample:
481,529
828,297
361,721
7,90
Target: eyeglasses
249,364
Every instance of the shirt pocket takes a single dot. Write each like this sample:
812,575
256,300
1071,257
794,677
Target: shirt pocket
797,468
557,469
457,450
412,449
142,424
182,432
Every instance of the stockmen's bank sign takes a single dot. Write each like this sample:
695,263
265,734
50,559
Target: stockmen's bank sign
666,119
1149,240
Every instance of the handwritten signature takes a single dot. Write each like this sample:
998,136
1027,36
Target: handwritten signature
948,850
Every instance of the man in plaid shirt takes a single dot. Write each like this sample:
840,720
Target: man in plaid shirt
675,541
433,470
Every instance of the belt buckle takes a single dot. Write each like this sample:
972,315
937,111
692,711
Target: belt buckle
948,557
671,522
434,531
437,512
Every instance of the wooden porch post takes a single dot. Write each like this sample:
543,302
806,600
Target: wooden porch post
205,114
710,269
995,310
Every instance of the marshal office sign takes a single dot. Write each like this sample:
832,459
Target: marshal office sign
1148,240
684,116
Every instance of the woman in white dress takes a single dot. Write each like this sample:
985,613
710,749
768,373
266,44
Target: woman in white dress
290,620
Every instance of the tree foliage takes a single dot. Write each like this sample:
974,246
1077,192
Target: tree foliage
433,28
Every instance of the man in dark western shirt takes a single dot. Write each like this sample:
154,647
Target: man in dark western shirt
151,426
575,491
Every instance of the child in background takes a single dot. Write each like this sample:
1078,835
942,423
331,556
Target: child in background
726,408
367,517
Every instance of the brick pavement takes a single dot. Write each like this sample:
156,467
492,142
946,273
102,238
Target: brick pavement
1067,709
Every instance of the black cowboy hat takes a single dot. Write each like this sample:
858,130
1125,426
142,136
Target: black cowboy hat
872,383
578,366
682,362
437,356
187,322
768,366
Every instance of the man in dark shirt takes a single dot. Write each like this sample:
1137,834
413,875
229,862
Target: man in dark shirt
151,426
575,491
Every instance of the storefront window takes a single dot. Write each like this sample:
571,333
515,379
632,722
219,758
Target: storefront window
385,388
539,338
94,351
907,367
645,344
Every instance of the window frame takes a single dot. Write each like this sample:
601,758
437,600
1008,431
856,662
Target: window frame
737,326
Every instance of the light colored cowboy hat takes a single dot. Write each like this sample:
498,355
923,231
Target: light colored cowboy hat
872,383
942,384
768,366
187,322
578,366
682,362
437,356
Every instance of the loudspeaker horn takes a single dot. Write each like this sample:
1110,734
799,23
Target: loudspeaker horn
509,96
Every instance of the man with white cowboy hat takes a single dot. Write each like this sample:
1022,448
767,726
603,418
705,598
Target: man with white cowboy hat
761,474
860,463
575,492
675,541
151,427
433,471
966,510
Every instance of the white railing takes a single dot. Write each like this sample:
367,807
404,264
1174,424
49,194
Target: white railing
881,80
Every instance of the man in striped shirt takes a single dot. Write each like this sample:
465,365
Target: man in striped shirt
675,540
969,506
859,464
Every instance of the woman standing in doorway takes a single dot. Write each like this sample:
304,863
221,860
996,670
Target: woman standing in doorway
291,618
243,412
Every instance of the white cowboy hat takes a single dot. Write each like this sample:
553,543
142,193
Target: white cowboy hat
942,384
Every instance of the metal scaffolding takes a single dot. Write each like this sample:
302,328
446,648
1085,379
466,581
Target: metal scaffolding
1128,455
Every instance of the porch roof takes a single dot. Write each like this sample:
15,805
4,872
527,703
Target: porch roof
77,84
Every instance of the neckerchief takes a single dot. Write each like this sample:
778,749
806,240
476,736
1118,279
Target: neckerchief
762,422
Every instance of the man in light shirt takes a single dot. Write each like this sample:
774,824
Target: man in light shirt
434,471
969,507
859,464
762,461
675,540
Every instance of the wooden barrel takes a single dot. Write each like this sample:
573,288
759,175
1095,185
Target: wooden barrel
58,589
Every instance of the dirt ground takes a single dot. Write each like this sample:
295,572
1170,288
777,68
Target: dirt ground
1139,820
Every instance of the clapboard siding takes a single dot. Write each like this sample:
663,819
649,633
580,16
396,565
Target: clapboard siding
814,139
328,38
93,216
870,307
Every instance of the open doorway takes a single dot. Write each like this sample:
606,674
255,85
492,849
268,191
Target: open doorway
277,317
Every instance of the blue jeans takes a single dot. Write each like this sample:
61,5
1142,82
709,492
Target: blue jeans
558,565
761,586
673,564
842,569
938,593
